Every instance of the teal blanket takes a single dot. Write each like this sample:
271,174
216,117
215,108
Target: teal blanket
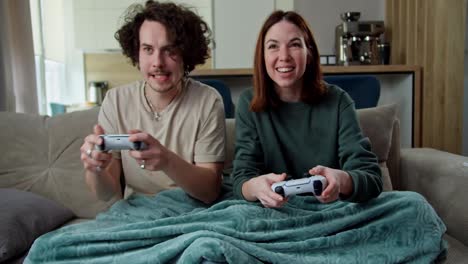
398,227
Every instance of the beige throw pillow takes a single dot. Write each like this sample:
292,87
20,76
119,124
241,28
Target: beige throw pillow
377,124
42,155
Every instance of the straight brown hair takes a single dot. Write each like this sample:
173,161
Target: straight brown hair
264,93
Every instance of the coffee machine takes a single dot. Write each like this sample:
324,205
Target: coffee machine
357,42
96,91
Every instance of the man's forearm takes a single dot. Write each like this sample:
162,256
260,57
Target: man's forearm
105,184
199,181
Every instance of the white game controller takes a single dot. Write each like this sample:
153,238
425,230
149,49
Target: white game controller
314,184
119,142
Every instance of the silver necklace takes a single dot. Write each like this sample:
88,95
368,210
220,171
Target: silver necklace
157,115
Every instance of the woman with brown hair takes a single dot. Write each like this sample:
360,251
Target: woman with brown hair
293,123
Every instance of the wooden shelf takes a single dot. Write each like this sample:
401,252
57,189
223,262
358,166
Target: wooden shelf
370,69
381,69
222,72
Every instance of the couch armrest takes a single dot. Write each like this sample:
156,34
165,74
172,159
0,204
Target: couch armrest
442,178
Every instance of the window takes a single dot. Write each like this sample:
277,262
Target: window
59,70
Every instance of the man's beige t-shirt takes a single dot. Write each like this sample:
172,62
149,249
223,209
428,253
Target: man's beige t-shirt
192,126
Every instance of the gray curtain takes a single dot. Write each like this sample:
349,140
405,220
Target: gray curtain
18,91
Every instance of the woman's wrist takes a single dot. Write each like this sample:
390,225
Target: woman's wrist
346,184
246,192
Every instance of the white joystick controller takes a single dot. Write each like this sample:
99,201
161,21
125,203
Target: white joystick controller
314,184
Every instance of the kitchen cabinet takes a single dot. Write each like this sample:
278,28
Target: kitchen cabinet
96,21
237,24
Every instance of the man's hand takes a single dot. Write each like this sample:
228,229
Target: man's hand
93,160
154,157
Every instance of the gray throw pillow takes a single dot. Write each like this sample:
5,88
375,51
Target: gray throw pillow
24,216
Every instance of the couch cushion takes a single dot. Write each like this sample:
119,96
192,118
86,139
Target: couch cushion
457,251
376,123
387,183
442,178
24,216
42,154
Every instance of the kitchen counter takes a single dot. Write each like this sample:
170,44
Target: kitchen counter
367,69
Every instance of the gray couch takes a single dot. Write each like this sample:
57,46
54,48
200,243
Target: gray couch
40,155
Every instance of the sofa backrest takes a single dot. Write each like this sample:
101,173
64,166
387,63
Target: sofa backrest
382,127
41,154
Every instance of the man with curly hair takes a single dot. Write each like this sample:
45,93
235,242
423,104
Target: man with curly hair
180,120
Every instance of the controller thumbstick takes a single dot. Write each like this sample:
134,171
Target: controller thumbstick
137,145
101,147
279,190
318,188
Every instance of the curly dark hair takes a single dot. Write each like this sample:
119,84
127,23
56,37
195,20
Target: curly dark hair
188,32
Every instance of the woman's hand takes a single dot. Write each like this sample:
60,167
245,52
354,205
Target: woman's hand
259,188
93,160
339,182
154,157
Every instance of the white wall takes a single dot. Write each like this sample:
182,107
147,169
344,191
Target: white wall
75,90
53,30
323,16
285,5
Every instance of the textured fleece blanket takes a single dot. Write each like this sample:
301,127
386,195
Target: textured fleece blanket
398,227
